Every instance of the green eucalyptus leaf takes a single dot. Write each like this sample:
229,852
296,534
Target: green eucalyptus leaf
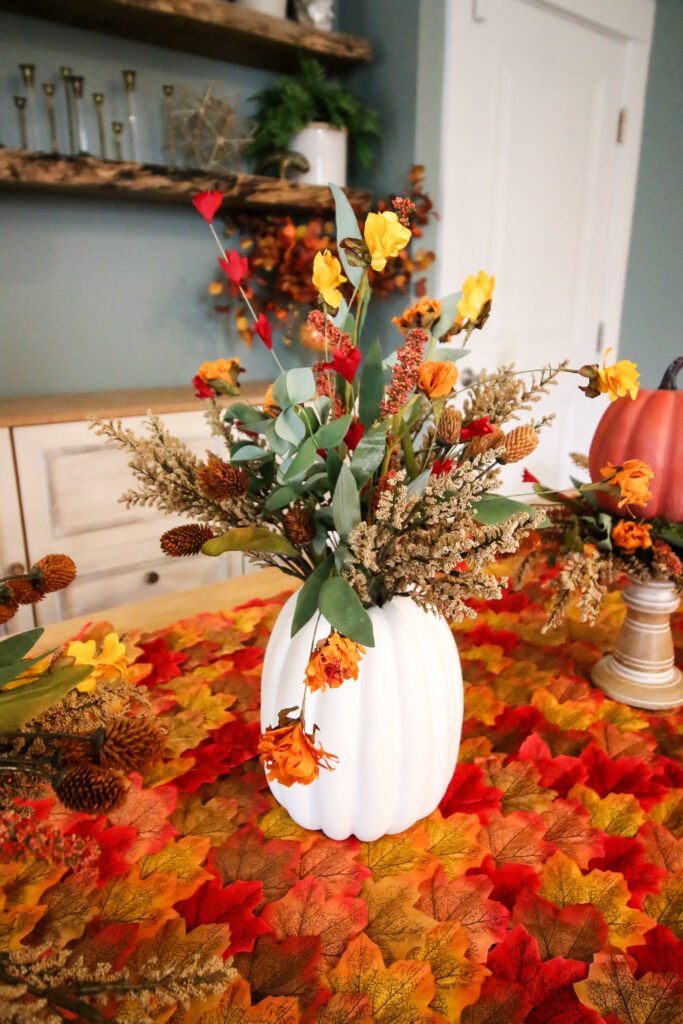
347,227
341,606
14,648
369,453
277,443
289,427
445,353
300,385
250,453
371,385
19,706
246,414
322,407
334,465
317,482
249,538
333,433
342,555
449,312
281,497
307,598
303,460
345,503
492,509
319,542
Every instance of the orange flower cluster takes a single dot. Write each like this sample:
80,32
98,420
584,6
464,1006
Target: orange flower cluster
633,479
334,659
289,755
423,313
630,535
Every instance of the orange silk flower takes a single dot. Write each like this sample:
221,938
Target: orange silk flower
334,659
633,479
289,755
437,379
629,535
422,313
270,406
220,369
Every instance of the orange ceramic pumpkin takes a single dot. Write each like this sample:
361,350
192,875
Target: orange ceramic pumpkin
648,427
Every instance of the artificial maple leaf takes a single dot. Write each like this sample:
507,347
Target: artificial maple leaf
484,634
470,749
458,978
661,954
466,901
499,1002
618,814
564,885
69,907
467,793
625,718
625,857
571,714
516,838
111,944
235,1007
246,856
305,910
15,923
569,829
394,923
287,968
512,726
610,988
669,813
661,848
615,743
232,905
666,906
277,824
516,684
490,656
211,818
455,841
399,994
147,903
482,704
345,1008
516,959
518,783
182,859
29,880
573,932
558,773
165,664
336,865
625,775
249,790
185,730
400,854
509,880
175,946
147,811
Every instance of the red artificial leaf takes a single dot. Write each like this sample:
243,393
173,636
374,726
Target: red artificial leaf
262,328
114,842
233,905
568,829
465,900
246,856
235,266
516,959
516,838
661,954
557,773
305,910
512,726
345,365
147,811
353,435
112,944
208,204
574,933
201,388
499,1002
624,855
484,634
248,658
624,775
231,745
287,968
509,880
165,664
468,793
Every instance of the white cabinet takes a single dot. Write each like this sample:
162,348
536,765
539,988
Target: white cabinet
70,481
541,115
12,551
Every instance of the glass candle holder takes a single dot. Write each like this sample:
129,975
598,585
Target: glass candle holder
66,75
49,90
98,100
129,83
76,83
28,76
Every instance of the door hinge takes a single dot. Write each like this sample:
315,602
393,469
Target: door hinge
621,125
600,340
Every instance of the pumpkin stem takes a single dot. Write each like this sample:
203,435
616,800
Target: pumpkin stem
669,378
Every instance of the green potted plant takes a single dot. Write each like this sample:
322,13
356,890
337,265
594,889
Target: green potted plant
315,117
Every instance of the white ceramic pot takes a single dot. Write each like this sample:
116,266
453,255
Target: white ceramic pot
325,149
277,8
395,729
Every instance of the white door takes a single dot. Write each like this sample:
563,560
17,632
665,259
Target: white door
534,190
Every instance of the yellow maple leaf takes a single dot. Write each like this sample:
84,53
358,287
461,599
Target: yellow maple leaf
458,978
277,824
29,882
15,923
235,1007
181,859
394,922
564,885
613,991
669,812
212,818
130,899
666,906
402,854
481,703
626,719
492,655
68,908
470,749
618,814
518,781
571,714
455,841
163,772
185,731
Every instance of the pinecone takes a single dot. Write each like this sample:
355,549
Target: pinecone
75,752
91,789
450,423
131,744
519,443
54,573
185,540
299,525
484,443
220,480
8,603
25,591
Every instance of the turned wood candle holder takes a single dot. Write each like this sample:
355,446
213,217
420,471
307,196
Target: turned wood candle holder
640,671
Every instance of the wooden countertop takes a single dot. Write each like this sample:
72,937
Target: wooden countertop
32,410
162,611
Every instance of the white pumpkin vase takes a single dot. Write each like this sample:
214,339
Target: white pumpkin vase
395,729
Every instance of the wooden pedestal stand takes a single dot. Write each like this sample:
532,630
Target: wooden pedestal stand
640,671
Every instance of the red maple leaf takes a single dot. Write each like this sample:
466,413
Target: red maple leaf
624,855
512,726
559,773
226,748
233,905
516,959
468,793
623,775
509,880
661,954
248,658
484,634
165,664
114,842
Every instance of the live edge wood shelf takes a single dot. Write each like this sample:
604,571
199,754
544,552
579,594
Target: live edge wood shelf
210,28
109,179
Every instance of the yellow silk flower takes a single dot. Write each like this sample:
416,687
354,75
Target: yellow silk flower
110,660
220,369
476,292
327,278
619,379
385,236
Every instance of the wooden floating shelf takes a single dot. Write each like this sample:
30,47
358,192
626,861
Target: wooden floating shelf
110,179
211,28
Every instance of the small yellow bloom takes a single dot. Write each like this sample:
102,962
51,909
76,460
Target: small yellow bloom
633,479
327,278
385,236
620,379
477,292
216,288
437,379
629,535
221,369
110,660
270,406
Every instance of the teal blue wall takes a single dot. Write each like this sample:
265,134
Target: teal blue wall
652,323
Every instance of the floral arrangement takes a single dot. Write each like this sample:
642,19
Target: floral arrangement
363,477
280,252
590,547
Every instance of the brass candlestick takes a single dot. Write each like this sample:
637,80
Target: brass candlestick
168,94
98,100
129,82
76,83
66,75
28,75
20,103
117,128
49,90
